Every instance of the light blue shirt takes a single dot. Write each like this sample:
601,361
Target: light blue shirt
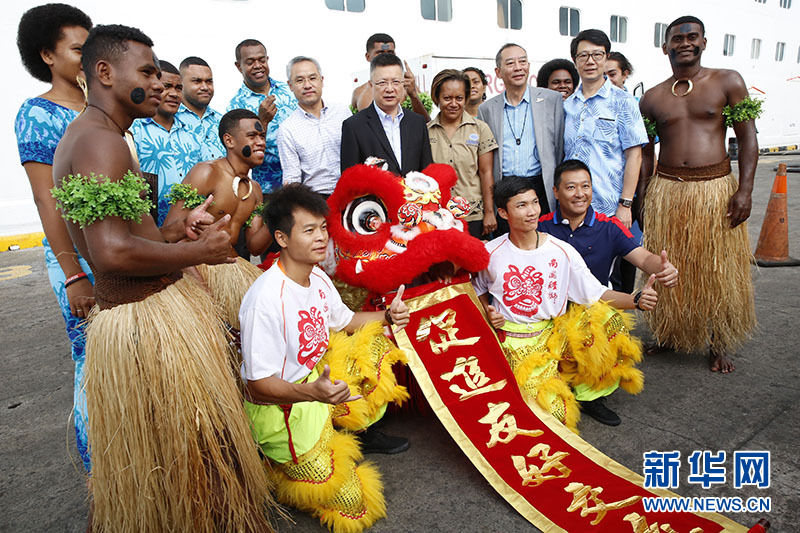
597,131
269,174
391,125
205,130
519,159
170,154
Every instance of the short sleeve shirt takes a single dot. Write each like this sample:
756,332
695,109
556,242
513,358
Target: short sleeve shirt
205,130
285,326
39,126
310,147
529,286
268,174
597,131
472,139
170,154
599,239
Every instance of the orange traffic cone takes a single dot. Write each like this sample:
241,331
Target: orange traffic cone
773,243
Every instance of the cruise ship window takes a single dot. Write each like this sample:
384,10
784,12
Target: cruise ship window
761,1
509,14
755,49
441,10
569,21
727,47
355,6
786,3
619,29
779,48
659,34
798,55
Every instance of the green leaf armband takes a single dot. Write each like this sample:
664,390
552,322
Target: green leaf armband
86,199
747,109
650,126
257,211
425,98
183,191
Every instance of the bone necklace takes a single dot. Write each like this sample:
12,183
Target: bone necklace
237,180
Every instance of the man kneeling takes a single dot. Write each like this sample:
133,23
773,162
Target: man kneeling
531,278
301,381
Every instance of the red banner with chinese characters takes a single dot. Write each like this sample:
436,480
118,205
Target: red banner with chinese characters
550,475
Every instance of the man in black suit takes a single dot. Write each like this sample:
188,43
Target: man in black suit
384,129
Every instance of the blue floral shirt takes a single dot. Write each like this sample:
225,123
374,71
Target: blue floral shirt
269,174
205,130
168,154
597,131
39,126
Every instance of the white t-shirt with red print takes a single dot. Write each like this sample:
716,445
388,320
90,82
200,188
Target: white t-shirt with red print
284,326
528,286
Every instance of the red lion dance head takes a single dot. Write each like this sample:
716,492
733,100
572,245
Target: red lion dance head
388,230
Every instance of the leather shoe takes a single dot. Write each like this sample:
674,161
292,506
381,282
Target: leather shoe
597,409
375,441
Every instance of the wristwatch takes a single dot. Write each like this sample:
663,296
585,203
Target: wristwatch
626,202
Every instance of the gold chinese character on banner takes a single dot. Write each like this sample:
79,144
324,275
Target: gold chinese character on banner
504,426
446,321
476,381
582,495
535,475
639,525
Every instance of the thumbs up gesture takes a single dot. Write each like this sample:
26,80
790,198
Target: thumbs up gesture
495,318
398,310
332,392
649,296
668,275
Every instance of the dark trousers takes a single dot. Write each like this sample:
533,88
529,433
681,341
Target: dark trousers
538,187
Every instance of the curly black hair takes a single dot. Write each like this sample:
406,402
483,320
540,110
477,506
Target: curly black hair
543,76
109,43
40,28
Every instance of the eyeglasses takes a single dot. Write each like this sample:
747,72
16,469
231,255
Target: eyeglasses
584,56
384,84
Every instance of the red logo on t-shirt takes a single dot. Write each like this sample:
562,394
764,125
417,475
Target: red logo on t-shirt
522,291
313,337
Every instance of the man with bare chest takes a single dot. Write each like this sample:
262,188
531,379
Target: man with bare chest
166,426
228,180
237,196
693,205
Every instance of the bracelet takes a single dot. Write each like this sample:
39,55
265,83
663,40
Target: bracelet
72,279
388,316
636,300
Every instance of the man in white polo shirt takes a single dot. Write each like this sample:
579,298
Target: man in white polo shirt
309,140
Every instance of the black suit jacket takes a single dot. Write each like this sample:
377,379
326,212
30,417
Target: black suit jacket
363,136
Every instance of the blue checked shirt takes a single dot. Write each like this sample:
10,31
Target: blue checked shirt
205,130
522,159
597,131
168,154
269,174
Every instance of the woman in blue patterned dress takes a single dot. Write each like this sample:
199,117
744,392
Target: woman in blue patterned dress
50,38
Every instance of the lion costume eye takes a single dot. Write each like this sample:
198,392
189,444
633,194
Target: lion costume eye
364,215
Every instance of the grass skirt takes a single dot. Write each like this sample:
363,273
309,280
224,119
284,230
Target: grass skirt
590,346
171,445
713,301
228,284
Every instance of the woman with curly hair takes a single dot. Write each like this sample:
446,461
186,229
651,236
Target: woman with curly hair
50,38
558,75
